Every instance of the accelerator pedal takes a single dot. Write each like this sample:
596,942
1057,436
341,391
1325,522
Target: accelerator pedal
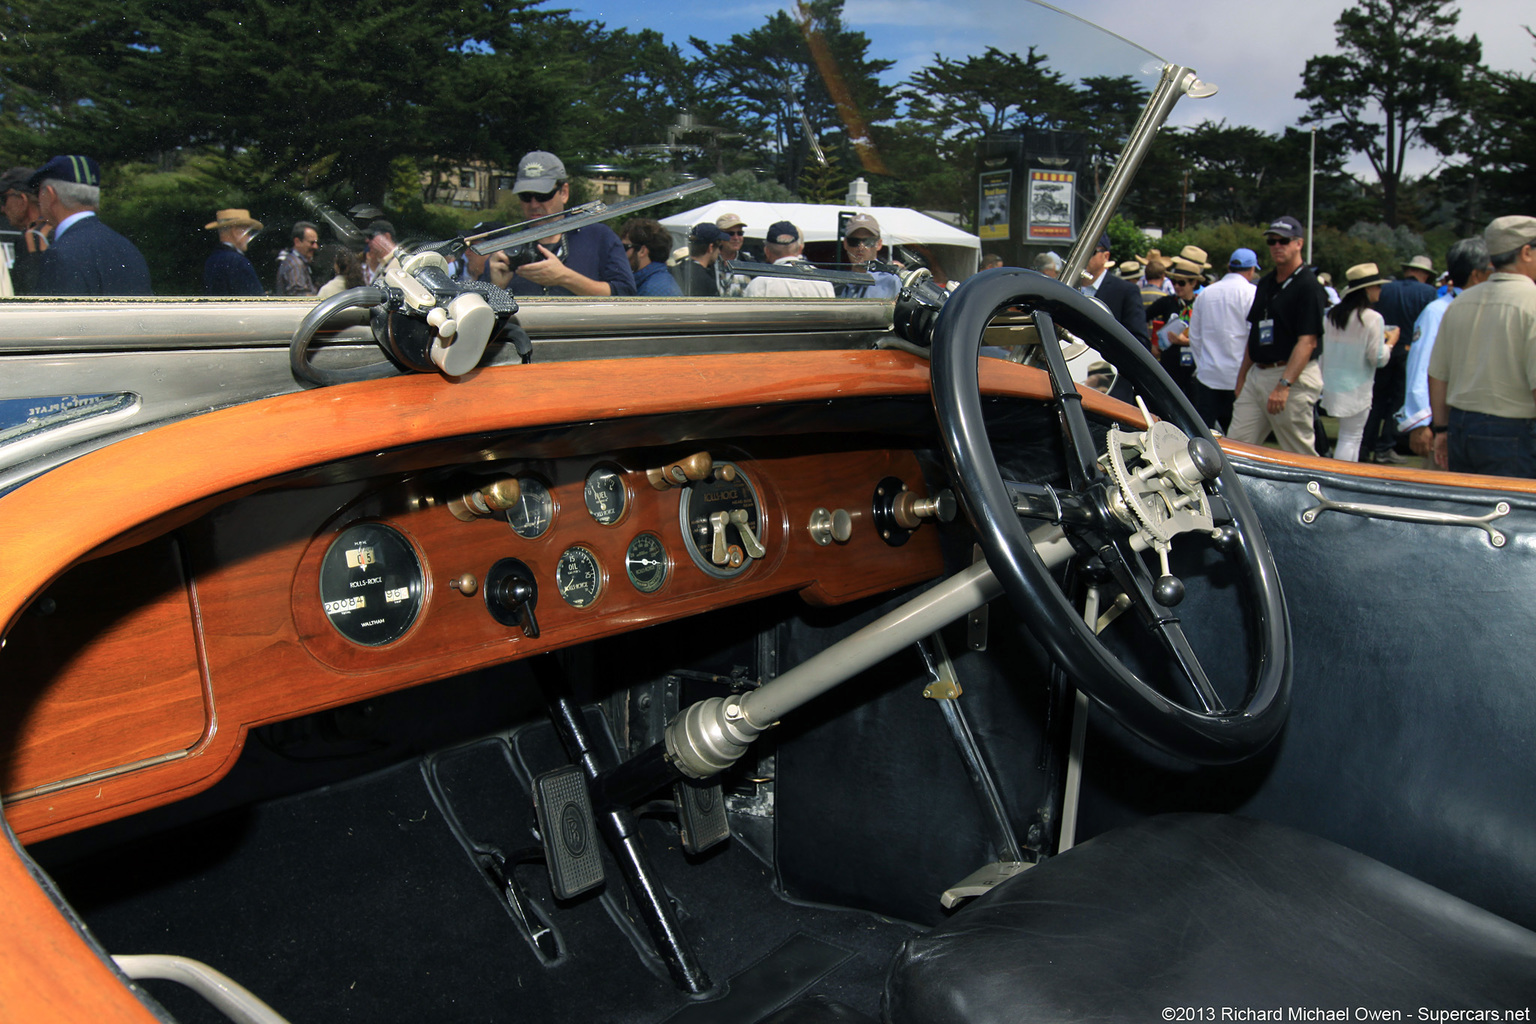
569,835
700,814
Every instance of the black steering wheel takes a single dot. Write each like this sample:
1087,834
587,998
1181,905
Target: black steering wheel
1093,514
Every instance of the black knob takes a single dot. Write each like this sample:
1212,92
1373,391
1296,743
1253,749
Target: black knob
1168,591
1206,457
1227,540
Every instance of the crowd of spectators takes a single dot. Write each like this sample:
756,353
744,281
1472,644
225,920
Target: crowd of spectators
1447,373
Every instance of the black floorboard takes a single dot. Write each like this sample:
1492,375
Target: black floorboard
360,902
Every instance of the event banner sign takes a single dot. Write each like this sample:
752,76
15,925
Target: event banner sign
1049,213
993,204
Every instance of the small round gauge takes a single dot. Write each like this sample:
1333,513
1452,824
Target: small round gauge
605,495
531,516
578,577
371,584
646,563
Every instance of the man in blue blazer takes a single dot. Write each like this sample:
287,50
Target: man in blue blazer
86,257
1122,298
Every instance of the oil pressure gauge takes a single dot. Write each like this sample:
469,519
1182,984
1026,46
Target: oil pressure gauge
578,577
371,584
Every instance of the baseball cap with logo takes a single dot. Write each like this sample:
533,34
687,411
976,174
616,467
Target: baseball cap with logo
539,172
782,232
862,222
80,169
1286,227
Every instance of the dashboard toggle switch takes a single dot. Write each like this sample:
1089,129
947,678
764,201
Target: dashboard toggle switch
692,469
488,499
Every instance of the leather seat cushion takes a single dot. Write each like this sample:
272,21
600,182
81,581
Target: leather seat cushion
1208,910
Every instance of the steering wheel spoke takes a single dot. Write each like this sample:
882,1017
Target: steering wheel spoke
1131,573
1155,483
1082,456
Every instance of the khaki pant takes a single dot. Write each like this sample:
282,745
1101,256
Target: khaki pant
1292,426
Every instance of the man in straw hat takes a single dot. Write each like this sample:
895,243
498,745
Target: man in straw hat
1279,380
1401,303
86,257
228,271
1483,370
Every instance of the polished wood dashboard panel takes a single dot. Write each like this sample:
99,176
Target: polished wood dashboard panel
266,648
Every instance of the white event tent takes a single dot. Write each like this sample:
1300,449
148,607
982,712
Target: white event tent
956,252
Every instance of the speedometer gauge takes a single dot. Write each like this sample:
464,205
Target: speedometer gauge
371,584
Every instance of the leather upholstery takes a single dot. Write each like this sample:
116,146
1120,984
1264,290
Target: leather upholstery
1208,911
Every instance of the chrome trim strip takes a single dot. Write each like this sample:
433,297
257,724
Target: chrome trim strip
79,325
80,780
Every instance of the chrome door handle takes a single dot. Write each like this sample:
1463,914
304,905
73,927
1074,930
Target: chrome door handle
1406,515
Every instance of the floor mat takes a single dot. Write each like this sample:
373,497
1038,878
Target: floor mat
360,902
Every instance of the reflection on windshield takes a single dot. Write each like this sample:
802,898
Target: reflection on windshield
293,160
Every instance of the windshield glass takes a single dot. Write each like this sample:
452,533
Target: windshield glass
247,149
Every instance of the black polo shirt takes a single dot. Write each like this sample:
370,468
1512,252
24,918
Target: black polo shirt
695,280
1293,307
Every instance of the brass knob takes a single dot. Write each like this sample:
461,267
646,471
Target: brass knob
692,469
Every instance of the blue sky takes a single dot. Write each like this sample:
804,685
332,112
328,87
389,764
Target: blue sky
1253,51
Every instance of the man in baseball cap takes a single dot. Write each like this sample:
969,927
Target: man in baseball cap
86,257
861,244
695,276
735,229
1218,338
585,261
783,246
1483,368
1279,381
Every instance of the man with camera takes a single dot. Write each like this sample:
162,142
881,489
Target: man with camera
586,261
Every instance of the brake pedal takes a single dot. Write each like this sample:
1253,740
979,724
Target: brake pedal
569,835
701,815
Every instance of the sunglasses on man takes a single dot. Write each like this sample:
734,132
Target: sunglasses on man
538,197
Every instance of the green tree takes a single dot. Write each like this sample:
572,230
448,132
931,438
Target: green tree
1399,72
767,84
288,81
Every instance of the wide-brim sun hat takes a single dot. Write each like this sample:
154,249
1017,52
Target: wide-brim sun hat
1361,275
232,219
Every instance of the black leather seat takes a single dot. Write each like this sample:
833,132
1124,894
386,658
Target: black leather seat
1195,910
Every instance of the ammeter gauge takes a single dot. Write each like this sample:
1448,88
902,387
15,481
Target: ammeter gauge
534,510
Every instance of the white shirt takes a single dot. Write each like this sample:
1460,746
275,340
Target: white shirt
764,287
69,222
1218,331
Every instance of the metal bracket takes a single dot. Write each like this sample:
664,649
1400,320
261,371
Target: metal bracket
1406,515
